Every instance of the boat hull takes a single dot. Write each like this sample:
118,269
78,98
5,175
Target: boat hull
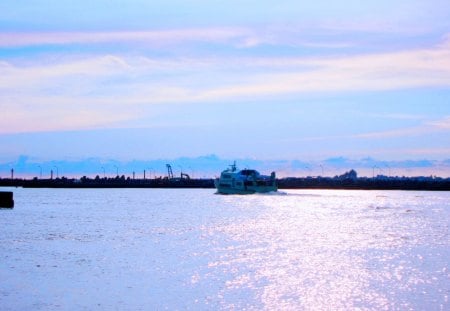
249,189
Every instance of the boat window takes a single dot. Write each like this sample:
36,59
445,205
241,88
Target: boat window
249,172
226,176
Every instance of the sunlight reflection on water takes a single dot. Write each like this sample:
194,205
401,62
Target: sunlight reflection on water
340,250
191,249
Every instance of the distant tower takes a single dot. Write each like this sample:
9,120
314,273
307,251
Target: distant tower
12,173
51,174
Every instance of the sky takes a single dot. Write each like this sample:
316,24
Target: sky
258,80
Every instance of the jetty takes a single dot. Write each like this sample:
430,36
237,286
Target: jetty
349,182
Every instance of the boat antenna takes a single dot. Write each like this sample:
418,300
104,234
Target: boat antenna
233,166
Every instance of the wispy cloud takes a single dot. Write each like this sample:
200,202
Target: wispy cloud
233,38
125,81
426,127
399,116
61,113
426,152
440,125
386,71
403,132
157,37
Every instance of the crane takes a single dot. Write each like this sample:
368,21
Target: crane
169,171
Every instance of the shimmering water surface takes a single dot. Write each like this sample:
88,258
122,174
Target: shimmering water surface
141,249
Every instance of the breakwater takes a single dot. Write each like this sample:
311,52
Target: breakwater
119,182
404,183
362,183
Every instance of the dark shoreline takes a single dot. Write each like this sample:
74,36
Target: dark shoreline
361,183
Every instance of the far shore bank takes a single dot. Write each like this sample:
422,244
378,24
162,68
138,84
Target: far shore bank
338,182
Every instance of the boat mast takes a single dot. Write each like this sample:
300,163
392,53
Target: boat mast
233,166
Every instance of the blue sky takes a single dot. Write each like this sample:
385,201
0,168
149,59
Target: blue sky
266,80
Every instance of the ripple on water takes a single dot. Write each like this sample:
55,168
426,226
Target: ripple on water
191,249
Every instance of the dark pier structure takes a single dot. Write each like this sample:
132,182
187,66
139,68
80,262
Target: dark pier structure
348,180
117,182
184,181
6,199
418,184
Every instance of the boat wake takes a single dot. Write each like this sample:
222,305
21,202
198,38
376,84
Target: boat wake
273,193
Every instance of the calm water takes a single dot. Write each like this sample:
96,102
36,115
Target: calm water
141,249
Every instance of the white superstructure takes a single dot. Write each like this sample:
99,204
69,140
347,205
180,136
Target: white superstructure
247,181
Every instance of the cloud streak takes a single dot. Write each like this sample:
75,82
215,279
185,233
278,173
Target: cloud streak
426,127
440,125
123,81
157,37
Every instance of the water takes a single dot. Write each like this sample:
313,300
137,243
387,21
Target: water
141,249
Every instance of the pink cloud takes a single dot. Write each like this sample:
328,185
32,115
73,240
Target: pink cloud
154,37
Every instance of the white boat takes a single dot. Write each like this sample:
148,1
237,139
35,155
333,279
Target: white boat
247,181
